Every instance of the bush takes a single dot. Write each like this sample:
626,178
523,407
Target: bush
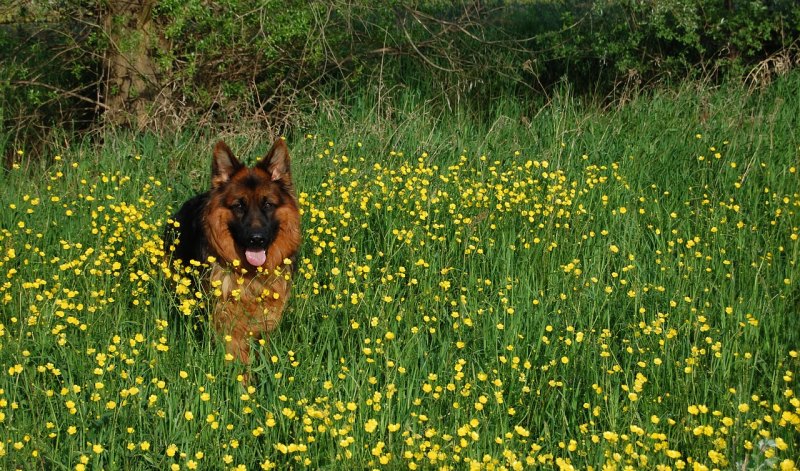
47,80
641,42
267,62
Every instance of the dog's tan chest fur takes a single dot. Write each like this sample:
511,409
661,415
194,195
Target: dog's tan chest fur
247,306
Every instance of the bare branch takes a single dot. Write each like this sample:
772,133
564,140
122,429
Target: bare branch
67,93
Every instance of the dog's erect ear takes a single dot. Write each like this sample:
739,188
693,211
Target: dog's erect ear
276,163
224,165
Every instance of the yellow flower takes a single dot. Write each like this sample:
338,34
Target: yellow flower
611,437
172,449
674,454
370,425
787,465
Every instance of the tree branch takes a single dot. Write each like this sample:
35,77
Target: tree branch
71,94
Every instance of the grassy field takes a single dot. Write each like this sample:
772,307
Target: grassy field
571,288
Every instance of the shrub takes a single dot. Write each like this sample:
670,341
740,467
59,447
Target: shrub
265,62
611,42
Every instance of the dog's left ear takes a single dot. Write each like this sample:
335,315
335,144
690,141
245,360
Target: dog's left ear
276,163
224,165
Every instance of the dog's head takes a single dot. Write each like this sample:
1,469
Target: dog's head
252,213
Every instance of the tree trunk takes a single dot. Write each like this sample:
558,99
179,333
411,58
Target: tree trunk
132,75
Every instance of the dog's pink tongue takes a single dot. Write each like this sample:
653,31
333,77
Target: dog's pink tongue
256,257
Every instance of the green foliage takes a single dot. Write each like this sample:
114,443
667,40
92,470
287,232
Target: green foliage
235,47
43,70
232,62
614,41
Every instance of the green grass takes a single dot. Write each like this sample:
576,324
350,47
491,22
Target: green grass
564,286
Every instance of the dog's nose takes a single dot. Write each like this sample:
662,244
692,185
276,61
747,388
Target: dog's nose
257,240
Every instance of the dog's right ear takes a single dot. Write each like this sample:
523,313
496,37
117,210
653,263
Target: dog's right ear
276,163
223,166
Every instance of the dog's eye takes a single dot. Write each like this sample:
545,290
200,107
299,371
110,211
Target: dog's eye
267,205
237,206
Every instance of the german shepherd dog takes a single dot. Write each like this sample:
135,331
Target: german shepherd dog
247,228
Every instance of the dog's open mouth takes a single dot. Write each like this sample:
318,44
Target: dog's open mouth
256,257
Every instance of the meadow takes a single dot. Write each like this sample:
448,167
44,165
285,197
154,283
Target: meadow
574,288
